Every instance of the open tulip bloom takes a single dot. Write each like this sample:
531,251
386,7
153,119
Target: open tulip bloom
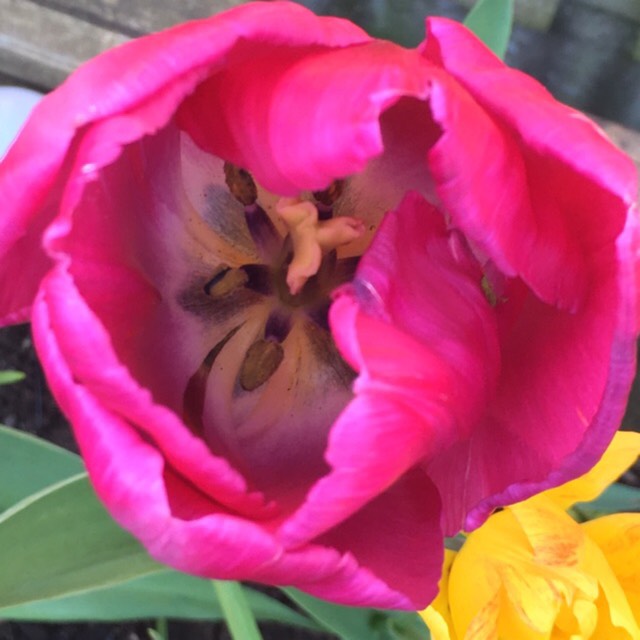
312,301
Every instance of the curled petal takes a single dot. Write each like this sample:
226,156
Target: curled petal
417,328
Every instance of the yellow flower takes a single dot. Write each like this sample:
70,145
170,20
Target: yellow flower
532,573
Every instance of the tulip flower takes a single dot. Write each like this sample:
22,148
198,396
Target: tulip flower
312,301
531,572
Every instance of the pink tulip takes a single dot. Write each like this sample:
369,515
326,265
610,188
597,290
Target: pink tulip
174,220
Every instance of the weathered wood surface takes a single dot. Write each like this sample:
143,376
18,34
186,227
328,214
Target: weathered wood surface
41,42
582,50
135,17
41,46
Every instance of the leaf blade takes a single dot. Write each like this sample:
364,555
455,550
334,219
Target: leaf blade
36,566
10,376
492,22
44,463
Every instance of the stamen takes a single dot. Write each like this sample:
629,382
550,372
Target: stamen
262,230
312,237
194,394
278,326
225,281
260,278
326,198
261,362
240,184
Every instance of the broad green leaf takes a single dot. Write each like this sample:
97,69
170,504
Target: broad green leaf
492,21
10,376
29,464
61,541
235,608
348,623
167,593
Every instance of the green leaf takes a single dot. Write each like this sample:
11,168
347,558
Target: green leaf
61,541
349,623
29,464
615,499
167,593
9,376
235,608
492,21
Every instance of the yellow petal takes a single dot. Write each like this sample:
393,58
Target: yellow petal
621,454
437,615
557,542
496,587
474,581
615,619
618,537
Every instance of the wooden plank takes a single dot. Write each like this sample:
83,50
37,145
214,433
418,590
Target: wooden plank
42,46
138,17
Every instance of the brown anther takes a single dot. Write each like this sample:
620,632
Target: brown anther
329,195
260,363
240,184
226,280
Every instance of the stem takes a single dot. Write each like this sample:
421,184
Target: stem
162,628
235,607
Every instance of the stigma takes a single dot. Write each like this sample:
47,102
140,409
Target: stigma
312,238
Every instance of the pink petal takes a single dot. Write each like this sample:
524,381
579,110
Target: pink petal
398,537
417,327
300,117
557,171
83,342
179,524
117,98
562,393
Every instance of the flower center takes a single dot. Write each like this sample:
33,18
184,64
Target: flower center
298,270
275,355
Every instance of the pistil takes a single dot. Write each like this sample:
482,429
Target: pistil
312,238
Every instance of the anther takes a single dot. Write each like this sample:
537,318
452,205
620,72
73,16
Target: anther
240,184
224,281
263,232
326,198
261,362
332,193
